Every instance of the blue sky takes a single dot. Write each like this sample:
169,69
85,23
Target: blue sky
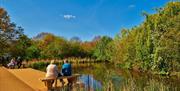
83,18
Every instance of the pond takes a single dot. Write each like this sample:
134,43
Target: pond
105,77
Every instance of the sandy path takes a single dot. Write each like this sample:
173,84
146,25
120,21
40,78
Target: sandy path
9,82
30,77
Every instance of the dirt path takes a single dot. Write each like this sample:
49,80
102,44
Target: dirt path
30,77
9,82
22,80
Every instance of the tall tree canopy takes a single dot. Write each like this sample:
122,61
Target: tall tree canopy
155,44
9,32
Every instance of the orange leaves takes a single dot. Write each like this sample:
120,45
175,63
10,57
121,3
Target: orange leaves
4,20
48,39
88,46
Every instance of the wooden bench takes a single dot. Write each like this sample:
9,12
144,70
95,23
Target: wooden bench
49,81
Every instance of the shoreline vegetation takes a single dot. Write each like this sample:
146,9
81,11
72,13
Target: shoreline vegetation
152,47
39,64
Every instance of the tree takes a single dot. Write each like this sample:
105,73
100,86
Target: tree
89,47
18,47
9,32
53,47
100,51
32,52
152,46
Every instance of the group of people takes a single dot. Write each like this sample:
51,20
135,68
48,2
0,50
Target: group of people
53,72
15,61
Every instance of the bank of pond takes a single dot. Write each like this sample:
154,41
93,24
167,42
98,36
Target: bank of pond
104,76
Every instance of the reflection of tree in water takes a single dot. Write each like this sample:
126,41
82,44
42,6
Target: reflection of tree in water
103,77
90,83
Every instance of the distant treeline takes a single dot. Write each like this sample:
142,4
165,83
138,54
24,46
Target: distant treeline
153,46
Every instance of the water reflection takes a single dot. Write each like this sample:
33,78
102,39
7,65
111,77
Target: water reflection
105,77
90,83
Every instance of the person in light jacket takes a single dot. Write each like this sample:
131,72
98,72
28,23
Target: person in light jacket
52,70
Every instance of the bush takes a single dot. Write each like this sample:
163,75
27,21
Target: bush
39,65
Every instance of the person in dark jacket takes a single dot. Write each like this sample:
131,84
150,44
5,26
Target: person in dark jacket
19,62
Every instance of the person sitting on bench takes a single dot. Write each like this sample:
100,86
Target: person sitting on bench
51,73
12,63
52,70
66,69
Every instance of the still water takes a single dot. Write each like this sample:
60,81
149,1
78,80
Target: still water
105,77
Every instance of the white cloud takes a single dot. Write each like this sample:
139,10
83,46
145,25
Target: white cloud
68,16
132,6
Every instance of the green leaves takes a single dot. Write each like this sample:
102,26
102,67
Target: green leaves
9,34
101,52
154,45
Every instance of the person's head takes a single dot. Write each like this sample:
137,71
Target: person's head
13,58
52,62
65,61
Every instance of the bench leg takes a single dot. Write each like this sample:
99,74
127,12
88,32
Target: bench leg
65,82
55,82
49,84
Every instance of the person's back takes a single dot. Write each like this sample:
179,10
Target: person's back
52,70
66,69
